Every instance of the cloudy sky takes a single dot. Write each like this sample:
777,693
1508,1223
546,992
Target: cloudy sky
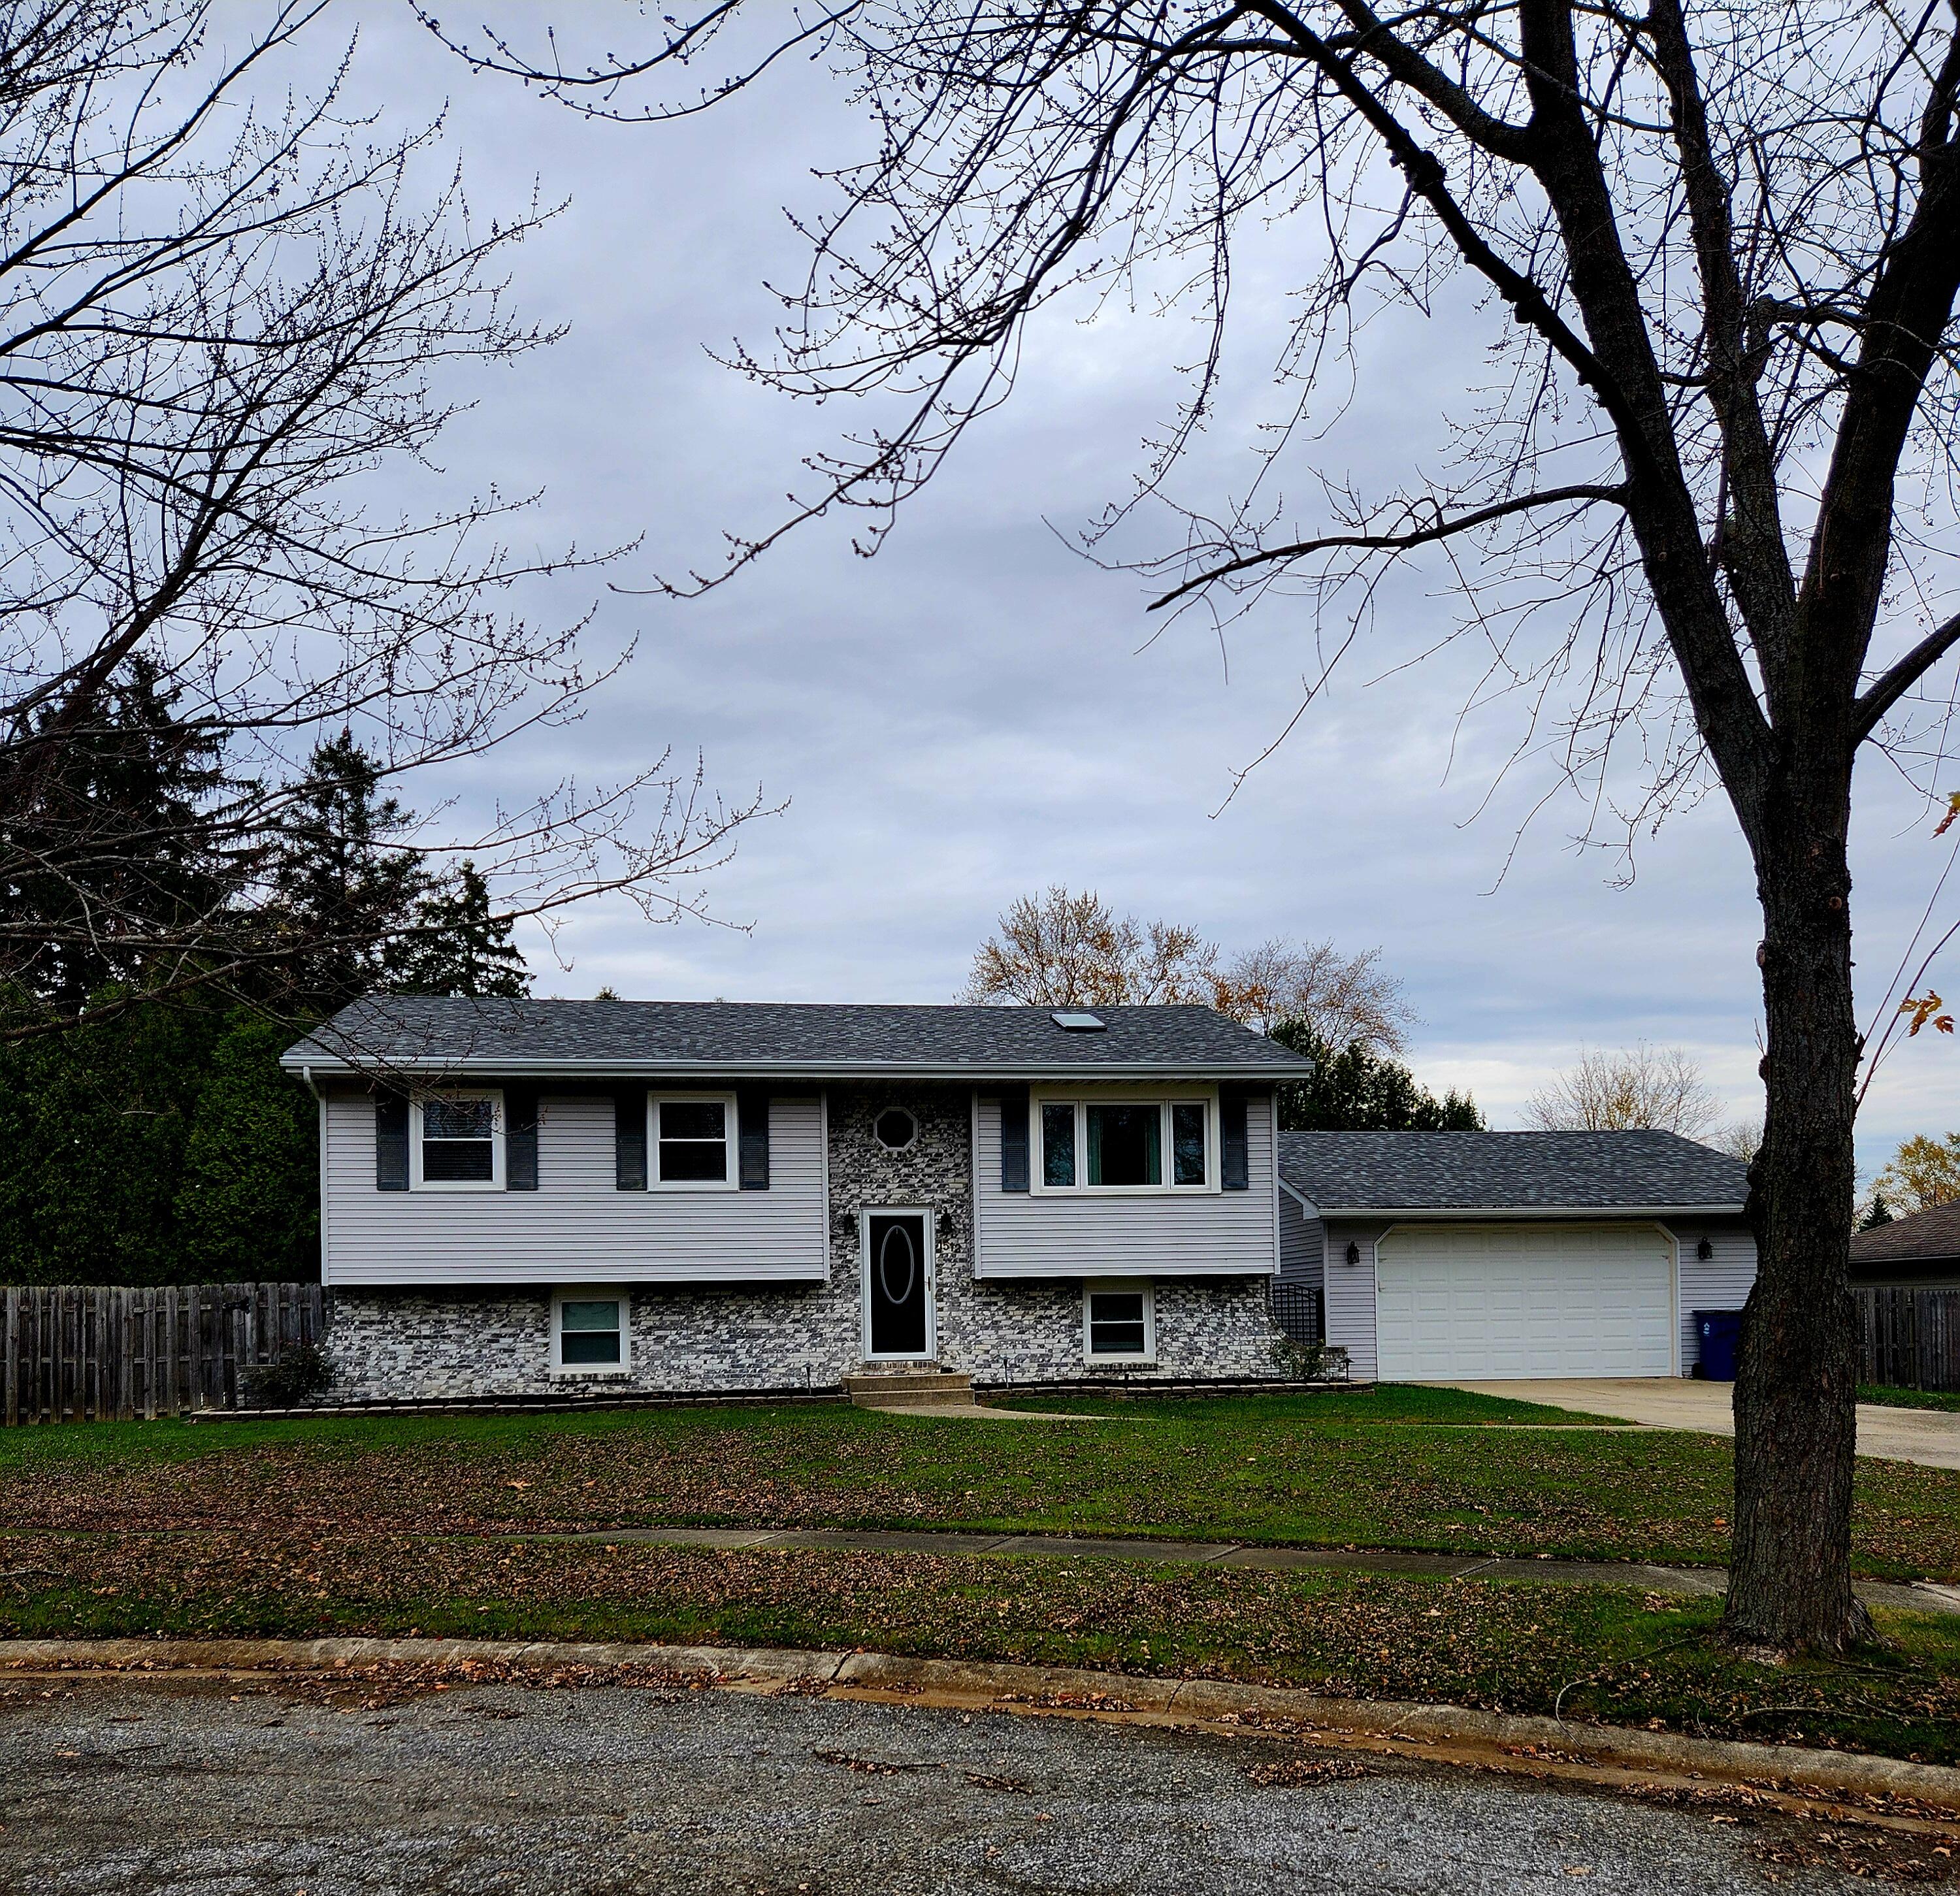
977,712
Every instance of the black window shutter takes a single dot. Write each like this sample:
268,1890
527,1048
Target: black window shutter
1233,1167
391,1142
751,1111
1014,1140
520,1138
629,1139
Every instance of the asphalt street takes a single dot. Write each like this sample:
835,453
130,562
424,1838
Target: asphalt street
219,1789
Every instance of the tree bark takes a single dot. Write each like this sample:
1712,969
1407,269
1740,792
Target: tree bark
1790,1585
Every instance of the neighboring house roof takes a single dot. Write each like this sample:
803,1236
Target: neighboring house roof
1431,1173
1926,1236
769,1040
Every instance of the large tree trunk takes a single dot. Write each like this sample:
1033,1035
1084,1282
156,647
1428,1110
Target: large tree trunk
1789,1586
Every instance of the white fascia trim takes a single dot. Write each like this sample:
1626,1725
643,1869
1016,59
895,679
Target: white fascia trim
1484,1213
807,1072
1300,1198
586,1273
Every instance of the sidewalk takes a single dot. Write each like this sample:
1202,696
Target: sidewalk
1921,1596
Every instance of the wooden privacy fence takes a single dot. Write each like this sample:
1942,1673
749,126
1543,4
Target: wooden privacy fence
1909,1339
97,1353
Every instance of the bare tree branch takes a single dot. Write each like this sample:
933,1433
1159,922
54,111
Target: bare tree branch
1402,542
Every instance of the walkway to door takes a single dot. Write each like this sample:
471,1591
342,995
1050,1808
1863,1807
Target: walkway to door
1931,1437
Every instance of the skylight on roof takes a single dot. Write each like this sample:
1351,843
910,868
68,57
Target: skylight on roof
1077,1020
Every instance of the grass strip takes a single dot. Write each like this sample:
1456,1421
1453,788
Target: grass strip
1891,1398
1610,1654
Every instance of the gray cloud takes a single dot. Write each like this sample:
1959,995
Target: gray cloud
977,712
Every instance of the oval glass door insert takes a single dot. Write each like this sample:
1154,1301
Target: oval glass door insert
897,1265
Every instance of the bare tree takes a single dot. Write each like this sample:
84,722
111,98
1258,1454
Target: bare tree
218,320
1346,1000
1739,1138
1702,518
1064,950
1660,1087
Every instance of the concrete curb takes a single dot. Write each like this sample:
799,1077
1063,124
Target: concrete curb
1788,1769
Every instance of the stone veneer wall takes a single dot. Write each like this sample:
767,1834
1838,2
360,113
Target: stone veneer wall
396,1345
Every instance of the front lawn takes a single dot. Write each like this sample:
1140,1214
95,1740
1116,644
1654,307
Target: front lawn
1601,1653
1430,1469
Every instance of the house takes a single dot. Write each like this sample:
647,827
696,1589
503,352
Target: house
1444,1256
521,1196
1921,1252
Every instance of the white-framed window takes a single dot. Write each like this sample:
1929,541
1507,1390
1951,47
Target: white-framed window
591,1332
1115,1142
455,1141
691,1142
1119,1320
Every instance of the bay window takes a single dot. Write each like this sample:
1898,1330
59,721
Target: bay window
1126,1144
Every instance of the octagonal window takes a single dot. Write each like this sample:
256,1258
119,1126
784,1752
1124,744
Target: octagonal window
895,1129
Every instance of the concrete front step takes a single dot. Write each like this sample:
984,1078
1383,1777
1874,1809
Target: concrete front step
909,1389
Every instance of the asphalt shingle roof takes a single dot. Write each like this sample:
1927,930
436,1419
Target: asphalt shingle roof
420,1033
1476,1171
1934,1234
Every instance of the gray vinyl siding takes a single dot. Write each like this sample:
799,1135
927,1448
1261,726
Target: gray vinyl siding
1721,1283
1348,1294
1303,1244
1026,1234
577,1227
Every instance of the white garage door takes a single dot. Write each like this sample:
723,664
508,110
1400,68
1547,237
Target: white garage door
1503,1300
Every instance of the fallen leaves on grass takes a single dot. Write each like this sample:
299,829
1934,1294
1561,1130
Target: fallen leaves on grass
1500,1647
1184,1471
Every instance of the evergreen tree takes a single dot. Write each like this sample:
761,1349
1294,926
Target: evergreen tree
248,1206
1357,1090
94,1124
458,946
118,832
1877,1212
345,888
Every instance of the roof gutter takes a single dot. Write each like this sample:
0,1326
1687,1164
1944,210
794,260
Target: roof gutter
1015,1074
1402,1212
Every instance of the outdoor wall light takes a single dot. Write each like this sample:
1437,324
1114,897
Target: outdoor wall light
1704,1250
1354,1252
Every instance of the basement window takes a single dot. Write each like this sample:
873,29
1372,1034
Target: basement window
590,1333
1119,1320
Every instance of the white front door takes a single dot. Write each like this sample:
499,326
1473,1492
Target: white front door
1489,1301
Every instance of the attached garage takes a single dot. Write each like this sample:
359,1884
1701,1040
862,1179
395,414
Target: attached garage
1459,1301
1458,1257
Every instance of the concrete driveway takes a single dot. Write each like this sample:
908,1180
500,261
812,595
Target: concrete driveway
1931,1437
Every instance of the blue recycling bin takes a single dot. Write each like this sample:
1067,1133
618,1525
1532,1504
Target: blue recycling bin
1720,1330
